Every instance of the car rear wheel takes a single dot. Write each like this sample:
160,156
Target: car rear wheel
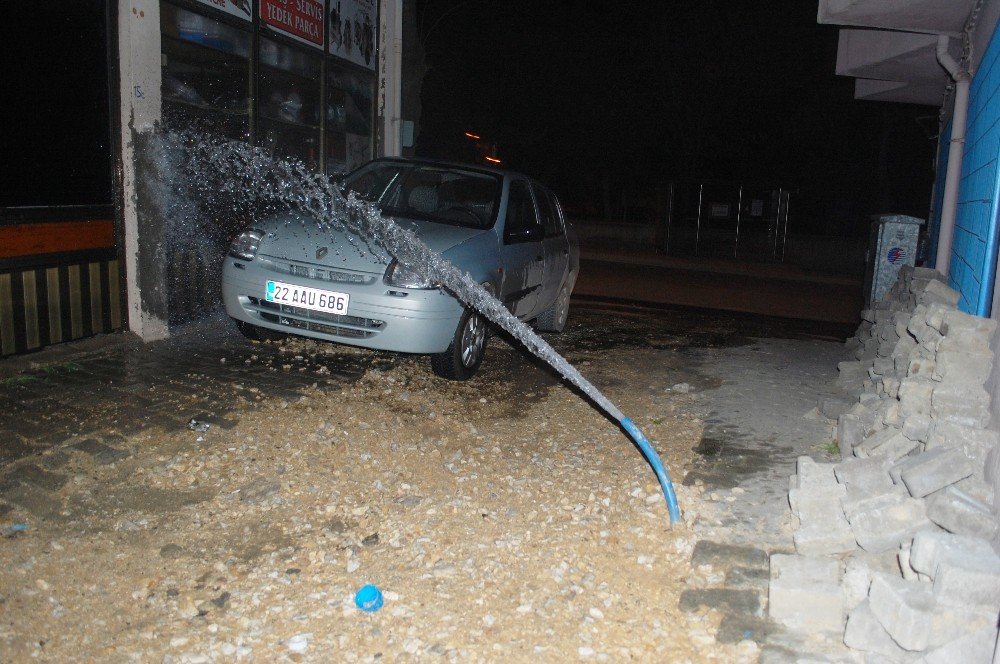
256,333
554,318
466,351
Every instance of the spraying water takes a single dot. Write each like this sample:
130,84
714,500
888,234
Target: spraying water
249,177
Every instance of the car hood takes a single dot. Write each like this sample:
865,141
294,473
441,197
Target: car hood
299,240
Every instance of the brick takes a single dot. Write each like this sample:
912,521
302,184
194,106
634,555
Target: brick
961,514
864,632
977,646
883,527
970,368
804,593
914,619
934,470
850,432
868,475
961,404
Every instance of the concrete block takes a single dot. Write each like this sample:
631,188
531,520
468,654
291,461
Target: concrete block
834,408
977,488
917,366
850,432
972,581
817,503
851,372
889,444
885,348
970,368
917,427
975,443
972,648
938,293
817,538
864,413
884,527
883,365
932,547
915,396
914,619
934,470
935,315
966,327
859,569
859,501
961,514
864,632
867,475
961,404
896,469
812,474
804,593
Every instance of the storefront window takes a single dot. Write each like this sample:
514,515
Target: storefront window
288,102
348,118
206,72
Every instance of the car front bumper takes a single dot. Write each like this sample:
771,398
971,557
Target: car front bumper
378,316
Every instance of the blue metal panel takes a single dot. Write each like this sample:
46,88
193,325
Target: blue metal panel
973,259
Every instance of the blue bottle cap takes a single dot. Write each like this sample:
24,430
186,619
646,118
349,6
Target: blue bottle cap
368,598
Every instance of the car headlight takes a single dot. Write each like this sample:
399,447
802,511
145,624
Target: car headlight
401,276
246,244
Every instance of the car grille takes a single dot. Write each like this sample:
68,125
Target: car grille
319,274
350,327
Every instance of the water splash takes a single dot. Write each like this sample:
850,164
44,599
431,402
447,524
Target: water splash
247,178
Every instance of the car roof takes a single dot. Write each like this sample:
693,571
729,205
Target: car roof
503,172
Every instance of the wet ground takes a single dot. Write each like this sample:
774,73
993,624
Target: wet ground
504,516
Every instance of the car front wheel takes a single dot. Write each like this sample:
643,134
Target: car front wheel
466,351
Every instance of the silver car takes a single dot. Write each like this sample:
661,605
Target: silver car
502,228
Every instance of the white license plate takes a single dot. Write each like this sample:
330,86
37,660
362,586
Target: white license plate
316,299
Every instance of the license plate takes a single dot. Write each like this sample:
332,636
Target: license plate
316,299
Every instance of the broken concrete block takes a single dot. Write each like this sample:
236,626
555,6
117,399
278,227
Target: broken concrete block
975,647
961,514
818,538
917,366
970,368
933,470
884,523
962,404
858,572
804,593
864,632
914,619
869,476
882,366
818,502
935,315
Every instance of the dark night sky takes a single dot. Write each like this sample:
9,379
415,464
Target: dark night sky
582,92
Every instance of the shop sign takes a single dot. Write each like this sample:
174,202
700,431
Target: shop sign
352,31
240,8
301,20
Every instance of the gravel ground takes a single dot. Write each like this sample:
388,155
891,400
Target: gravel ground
503,518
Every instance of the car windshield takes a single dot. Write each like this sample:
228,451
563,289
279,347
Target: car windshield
443,194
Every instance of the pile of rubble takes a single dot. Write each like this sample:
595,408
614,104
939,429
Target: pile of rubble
895,544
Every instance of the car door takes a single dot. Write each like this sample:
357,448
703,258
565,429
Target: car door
521,251
555,247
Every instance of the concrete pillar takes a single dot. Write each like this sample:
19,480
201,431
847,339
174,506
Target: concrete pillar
390,75
139,81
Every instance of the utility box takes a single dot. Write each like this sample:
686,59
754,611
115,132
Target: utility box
892,244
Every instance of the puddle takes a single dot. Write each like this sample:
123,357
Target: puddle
725,460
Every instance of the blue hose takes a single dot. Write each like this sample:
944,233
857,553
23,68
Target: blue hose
654,460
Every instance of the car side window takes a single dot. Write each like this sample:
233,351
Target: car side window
522,220
548,207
